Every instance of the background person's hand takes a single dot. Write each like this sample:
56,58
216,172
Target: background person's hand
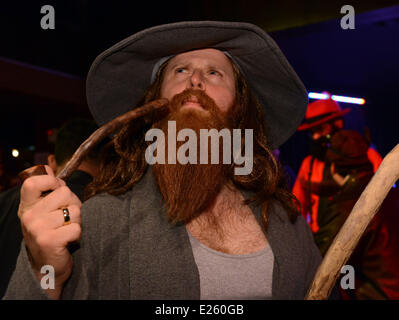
42,220
340,180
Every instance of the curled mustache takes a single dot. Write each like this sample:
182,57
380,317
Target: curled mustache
206,102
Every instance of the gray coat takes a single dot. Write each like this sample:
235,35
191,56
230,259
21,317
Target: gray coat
128,250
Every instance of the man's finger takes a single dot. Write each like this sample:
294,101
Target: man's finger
34,186
49,171
59,198
67,234
55,219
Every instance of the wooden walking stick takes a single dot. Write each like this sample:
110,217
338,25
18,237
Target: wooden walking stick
96,138
354,227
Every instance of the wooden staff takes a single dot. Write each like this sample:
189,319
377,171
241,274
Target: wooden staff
355,225
97,136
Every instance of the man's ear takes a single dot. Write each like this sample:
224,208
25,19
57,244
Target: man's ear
52,162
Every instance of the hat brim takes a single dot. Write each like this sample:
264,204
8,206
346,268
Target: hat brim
308,126
119,76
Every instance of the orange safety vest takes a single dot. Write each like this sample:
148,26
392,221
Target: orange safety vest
316,175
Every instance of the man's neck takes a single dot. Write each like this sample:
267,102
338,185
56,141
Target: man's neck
229,202
227,211
229,226
89,168
85,166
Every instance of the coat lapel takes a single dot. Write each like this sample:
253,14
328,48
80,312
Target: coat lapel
161,261
278,235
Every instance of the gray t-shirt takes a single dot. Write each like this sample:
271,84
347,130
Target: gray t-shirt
228,276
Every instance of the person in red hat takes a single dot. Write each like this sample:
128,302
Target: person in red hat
315,183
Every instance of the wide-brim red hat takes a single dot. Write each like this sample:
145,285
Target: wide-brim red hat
321,111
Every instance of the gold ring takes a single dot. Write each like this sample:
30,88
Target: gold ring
67,217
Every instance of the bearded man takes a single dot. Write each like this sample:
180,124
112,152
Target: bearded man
178,231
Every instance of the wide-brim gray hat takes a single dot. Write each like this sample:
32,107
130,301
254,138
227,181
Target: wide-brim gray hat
120,75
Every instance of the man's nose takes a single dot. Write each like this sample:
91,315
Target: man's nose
196,80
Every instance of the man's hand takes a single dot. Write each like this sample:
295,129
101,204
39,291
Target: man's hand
42,220
340,180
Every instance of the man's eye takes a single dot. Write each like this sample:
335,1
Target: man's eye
214,73
181,70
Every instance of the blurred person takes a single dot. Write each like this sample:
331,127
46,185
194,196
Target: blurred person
375,259
323,119
68,139
178,231
7,180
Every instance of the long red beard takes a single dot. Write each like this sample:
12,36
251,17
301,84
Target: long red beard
189,189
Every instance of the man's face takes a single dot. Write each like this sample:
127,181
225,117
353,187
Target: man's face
321,131
208,70
326,129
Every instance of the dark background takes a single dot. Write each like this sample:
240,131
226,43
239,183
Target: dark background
42,72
